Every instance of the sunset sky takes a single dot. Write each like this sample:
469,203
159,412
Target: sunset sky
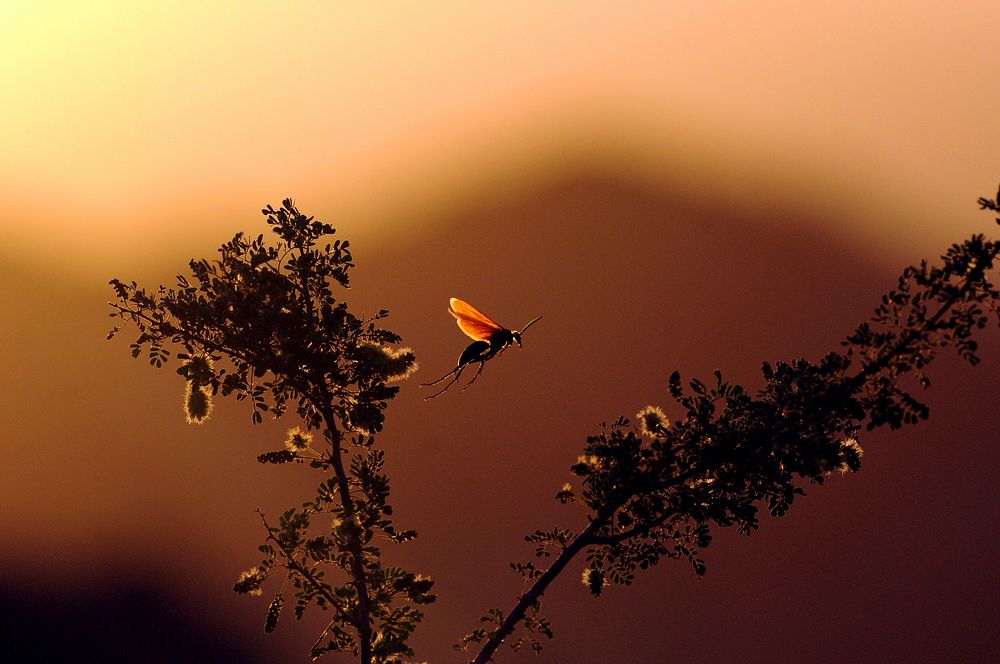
674,185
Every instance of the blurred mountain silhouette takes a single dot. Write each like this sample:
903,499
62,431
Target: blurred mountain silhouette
634,280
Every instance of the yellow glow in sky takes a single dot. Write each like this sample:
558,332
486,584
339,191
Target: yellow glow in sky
176,116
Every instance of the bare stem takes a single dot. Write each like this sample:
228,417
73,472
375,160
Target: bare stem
531,597
358,573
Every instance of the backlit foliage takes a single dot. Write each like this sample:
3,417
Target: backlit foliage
262,322
655,490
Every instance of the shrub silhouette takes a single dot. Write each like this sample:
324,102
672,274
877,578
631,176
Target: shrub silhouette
263,322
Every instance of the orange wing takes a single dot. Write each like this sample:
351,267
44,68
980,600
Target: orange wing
472,321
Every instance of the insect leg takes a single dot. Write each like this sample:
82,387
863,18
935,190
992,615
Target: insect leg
443,378
456,373
469,384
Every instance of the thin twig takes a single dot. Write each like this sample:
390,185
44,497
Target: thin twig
297,567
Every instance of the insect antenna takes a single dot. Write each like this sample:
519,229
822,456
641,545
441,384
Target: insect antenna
533,321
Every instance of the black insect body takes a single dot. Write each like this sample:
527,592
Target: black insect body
491,339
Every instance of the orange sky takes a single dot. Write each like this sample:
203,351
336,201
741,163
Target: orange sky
177,116
748,176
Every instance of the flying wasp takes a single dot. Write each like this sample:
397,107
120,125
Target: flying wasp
490,339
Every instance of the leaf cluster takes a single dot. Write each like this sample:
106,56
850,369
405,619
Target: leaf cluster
263,322
270,310
655,491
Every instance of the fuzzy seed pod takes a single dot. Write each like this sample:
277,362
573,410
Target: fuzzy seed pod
197,403
273,611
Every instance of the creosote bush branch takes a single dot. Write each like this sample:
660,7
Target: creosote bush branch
655,490
263,322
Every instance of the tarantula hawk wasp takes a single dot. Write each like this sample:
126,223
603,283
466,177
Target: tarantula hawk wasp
491,339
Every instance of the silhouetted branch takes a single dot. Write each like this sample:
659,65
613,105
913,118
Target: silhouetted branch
654,493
